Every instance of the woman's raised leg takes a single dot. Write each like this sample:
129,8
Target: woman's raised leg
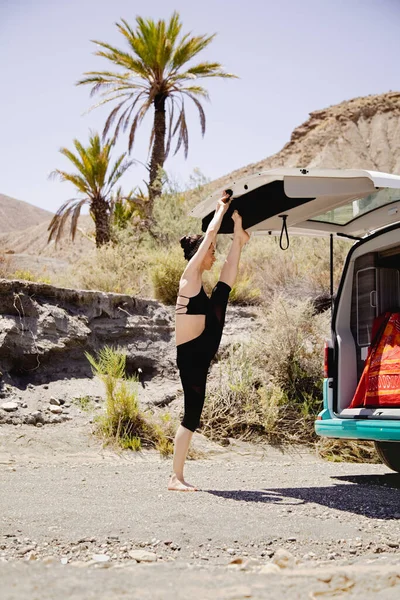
240,238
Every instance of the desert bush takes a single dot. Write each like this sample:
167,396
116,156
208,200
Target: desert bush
29,276
166,273
4,266
271,388
232,407
302,271
124,423
121,266
244,290
291,343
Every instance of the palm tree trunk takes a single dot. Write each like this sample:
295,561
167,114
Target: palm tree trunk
158,153
101,215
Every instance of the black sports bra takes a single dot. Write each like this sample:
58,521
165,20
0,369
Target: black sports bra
197,305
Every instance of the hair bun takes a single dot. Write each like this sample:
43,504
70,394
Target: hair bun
190,244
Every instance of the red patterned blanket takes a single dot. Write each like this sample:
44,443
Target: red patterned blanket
379,385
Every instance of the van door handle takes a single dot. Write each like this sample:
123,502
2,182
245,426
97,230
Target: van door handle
372,298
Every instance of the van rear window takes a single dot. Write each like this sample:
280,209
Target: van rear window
342,215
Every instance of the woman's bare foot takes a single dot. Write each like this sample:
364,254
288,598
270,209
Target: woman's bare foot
238,230
180,485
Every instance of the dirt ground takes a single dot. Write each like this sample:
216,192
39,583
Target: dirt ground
81,521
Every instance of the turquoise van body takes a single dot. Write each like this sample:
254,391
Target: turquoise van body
329,425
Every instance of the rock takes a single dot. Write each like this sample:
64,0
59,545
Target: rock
284,559
100,557
9,406
38,416
142,556
56,409
26,549
54,401
269,568
30,420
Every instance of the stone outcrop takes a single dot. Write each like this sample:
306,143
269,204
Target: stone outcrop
45,331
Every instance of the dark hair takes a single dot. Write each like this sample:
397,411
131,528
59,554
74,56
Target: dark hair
190,244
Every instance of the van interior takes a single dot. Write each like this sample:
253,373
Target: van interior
370,287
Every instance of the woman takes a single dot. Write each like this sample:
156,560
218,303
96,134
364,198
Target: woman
199,324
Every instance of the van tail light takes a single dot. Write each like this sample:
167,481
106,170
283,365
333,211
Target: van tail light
328,356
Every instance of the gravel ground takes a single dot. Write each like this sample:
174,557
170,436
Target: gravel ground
265,524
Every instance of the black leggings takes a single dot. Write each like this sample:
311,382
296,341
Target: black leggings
194,357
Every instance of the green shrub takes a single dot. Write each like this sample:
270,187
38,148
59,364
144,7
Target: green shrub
166,274
244,291
124,423
29,276
291,343
4,266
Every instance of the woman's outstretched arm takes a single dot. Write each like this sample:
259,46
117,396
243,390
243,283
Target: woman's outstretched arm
210,234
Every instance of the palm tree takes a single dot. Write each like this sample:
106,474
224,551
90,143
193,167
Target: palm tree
95,179
154,72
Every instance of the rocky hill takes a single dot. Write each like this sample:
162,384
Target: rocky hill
16,215
359,133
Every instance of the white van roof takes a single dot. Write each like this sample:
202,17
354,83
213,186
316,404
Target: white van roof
315,201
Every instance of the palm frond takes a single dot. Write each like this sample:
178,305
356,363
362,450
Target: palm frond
57,223
136,121
75,216
76,180
189,49
197,90
183,136
131,110
120,122
119,169
171,108
111,118
201,111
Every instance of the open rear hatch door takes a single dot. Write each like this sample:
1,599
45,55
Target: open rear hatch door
311,202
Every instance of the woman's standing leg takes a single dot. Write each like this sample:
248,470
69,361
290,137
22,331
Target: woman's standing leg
182,441
194,388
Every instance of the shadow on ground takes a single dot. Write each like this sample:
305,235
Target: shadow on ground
374,496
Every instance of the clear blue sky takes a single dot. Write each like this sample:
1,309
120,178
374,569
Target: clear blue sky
292,57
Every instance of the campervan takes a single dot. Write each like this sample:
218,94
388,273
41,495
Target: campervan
356,204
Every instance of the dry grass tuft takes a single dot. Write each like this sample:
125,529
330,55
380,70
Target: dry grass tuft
124,424
359,451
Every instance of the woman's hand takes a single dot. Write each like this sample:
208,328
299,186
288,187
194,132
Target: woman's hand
223,202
